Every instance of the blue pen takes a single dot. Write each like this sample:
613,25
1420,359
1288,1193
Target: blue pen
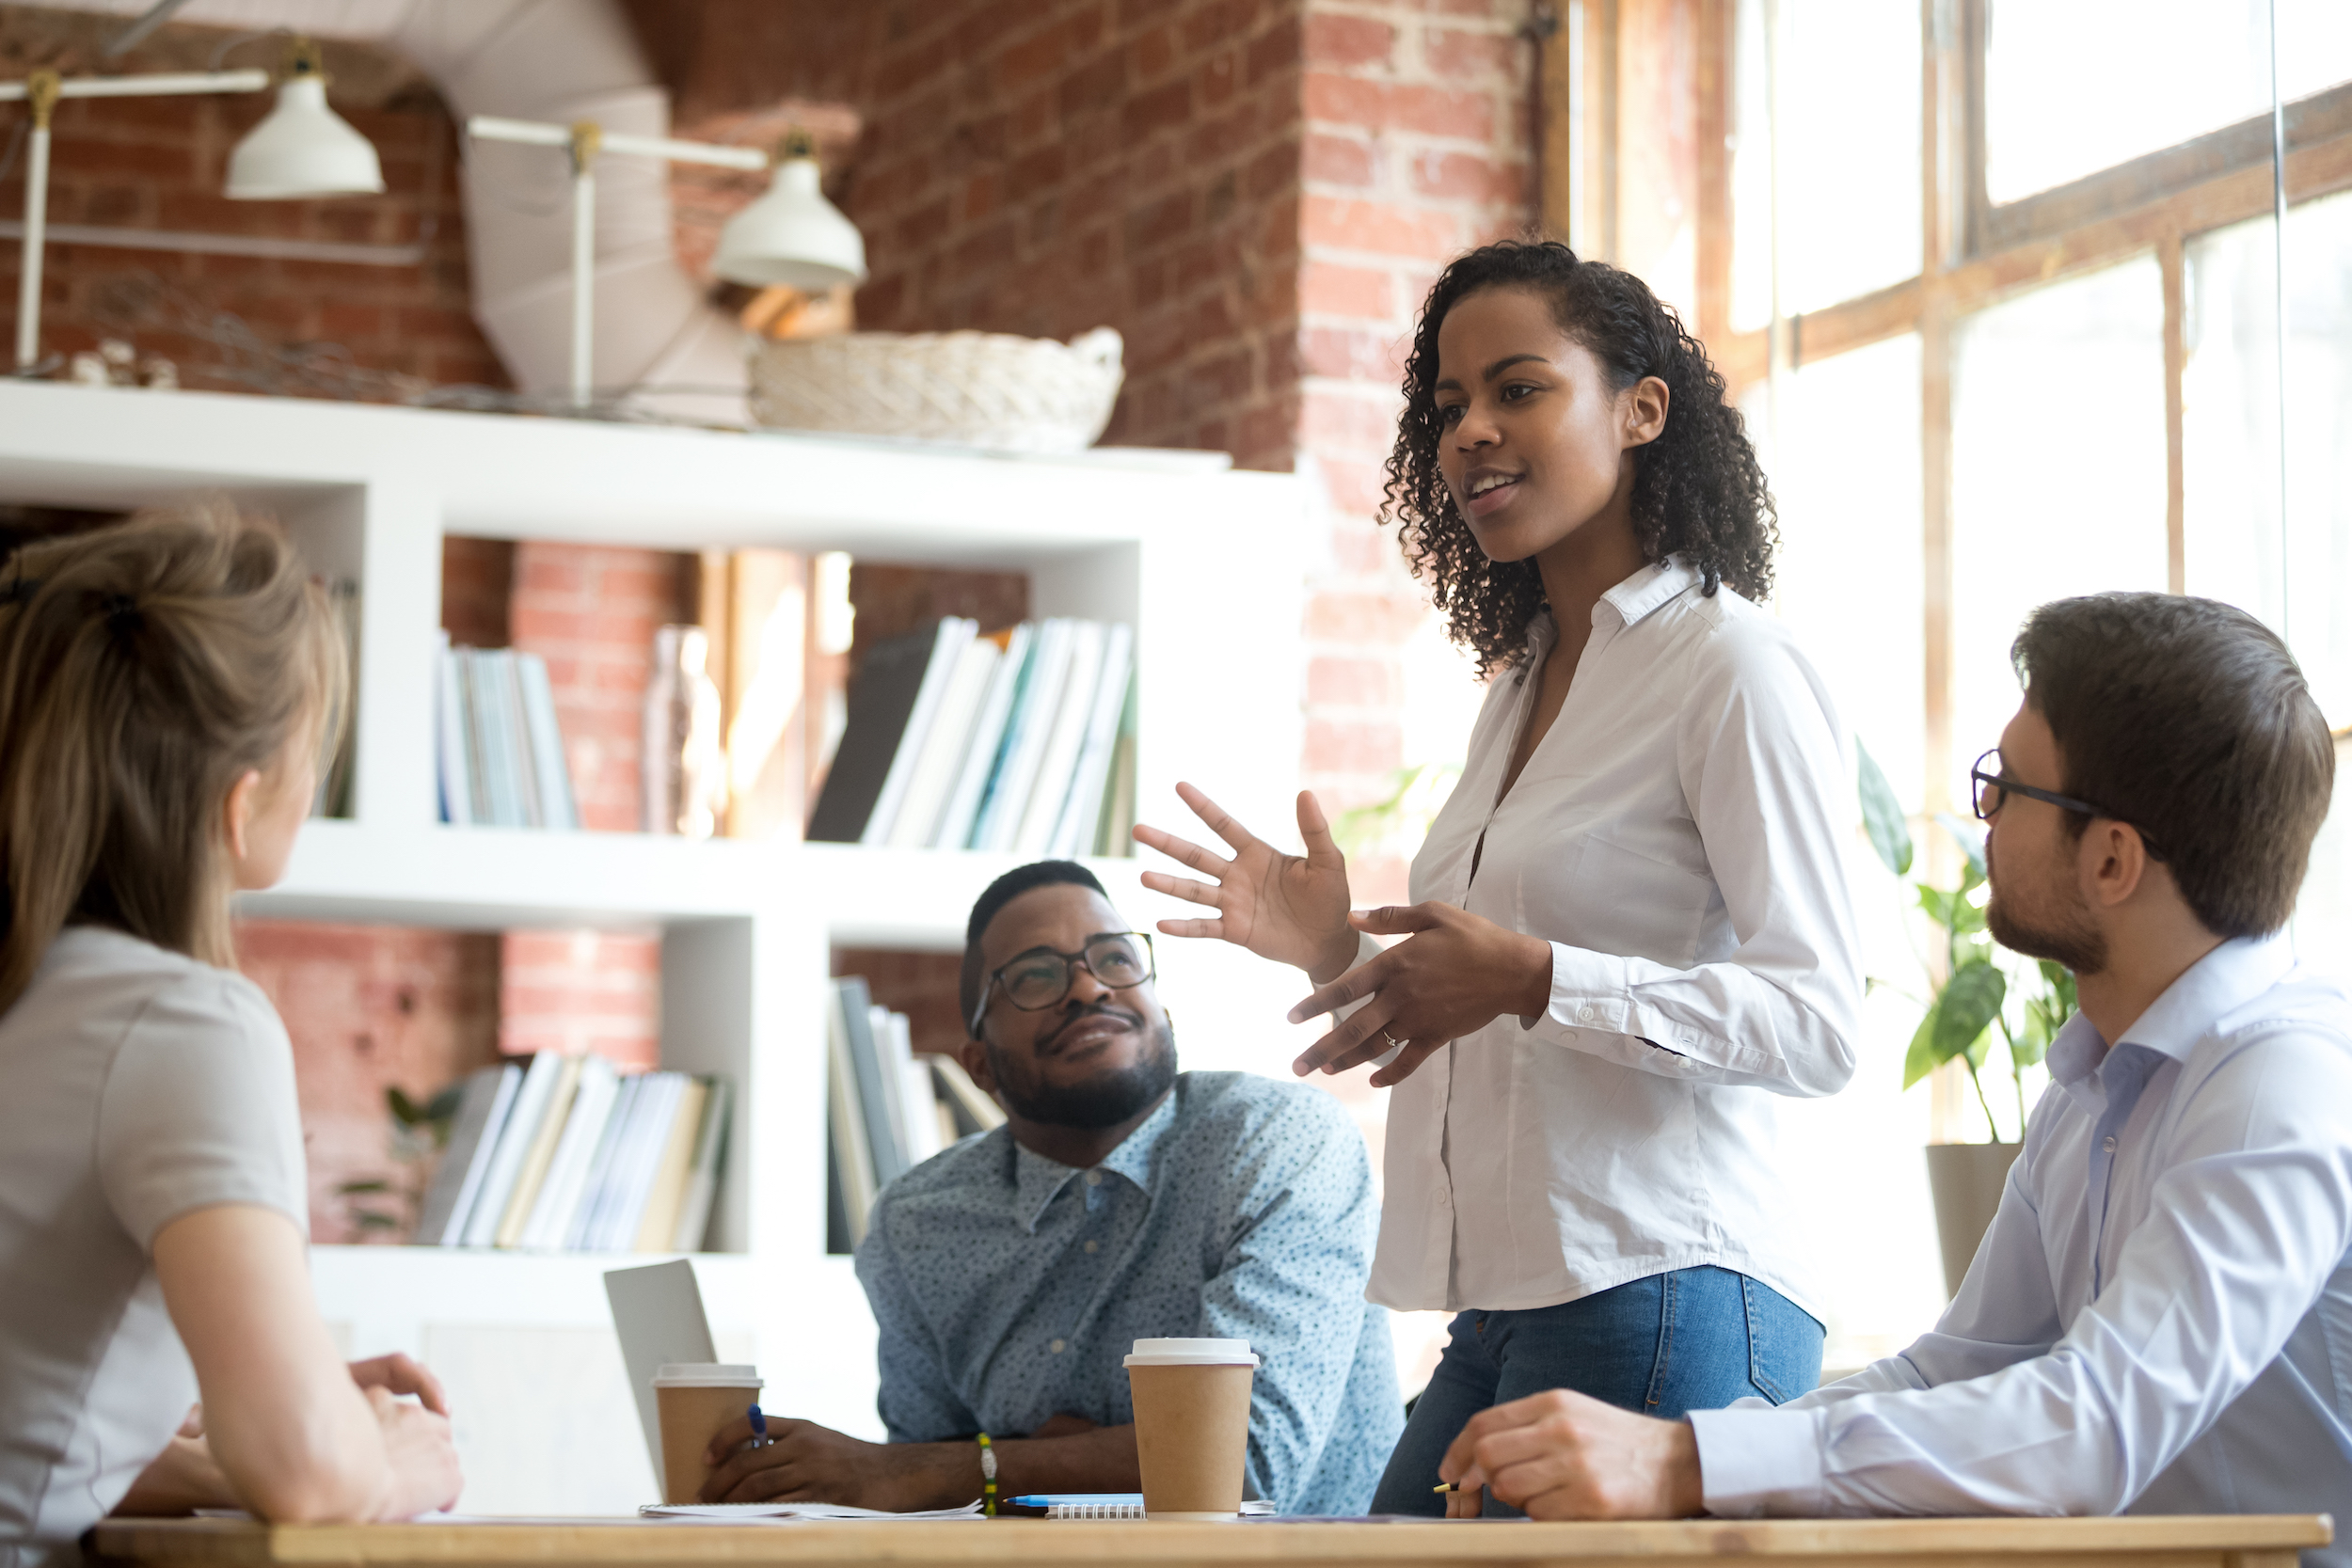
759,1429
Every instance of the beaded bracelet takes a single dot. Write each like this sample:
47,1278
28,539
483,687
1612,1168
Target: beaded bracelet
988,1476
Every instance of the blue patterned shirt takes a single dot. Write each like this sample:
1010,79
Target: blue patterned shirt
1008,1288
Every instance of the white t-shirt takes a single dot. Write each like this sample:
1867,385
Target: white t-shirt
136,1086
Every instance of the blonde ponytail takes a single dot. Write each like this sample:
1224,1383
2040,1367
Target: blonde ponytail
144,669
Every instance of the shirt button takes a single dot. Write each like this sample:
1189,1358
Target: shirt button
1055,1346
1092,1246
1587,1013
2107,1144
1094,1178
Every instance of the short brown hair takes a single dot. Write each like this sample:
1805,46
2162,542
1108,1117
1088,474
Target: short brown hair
2190,720
144,669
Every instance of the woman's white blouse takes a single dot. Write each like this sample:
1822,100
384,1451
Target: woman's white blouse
1676,837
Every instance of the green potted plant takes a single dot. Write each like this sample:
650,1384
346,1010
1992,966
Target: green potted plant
1975,987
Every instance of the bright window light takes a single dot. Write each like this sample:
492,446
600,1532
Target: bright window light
2229,397
1848,111
2058,472
2073,87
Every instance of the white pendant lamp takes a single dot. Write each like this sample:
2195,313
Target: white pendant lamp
303,148
792,235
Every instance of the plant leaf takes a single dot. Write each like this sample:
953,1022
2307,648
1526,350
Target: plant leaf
404,1110
1938,903
444,1105
1882,814
1971,842
1920,1059
1970,1000
358,1189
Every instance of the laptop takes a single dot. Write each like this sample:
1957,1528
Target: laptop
658,1311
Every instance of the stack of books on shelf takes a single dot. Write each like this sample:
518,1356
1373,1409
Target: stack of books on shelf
1021,741
888,1110
502,751
566,1154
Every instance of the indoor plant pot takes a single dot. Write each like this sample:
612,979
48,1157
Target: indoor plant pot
1965,1182
1974,998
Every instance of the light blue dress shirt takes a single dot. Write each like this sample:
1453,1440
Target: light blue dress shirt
2159,1319
1008,1289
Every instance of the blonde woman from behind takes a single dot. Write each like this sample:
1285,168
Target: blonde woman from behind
165,689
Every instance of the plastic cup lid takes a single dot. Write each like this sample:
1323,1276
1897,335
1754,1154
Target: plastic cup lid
708,1374
1192,1353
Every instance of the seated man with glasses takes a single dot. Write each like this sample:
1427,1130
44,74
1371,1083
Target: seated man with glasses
1122,1200
2156,1321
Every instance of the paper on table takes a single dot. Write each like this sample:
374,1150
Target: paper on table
721,1512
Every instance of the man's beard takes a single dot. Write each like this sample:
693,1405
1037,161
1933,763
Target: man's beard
2075,941
1106,1100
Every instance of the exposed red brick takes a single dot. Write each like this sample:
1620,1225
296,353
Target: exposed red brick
1340,41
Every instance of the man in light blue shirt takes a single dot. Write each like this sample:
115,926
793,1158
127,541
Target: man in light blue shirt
1122,1200
2155,1322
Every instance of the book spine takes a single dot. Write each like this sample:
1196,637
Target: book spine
1024,740
472,1139
874,1098
597,1190
534,1174
1075,834
710,1155
514,1145
515,727
1065,733
456,744
549,768
649,1137
948,646
981,754
853,1160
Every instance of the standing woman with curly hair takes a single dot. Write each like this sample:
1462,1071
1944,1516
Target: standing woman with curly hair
1629,926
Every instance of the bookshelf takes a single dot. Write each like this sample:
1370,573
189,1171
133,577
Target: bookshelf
1207,563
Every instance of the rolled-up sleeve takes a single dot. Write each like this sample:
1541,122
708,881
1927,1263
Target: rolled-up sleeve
1766,787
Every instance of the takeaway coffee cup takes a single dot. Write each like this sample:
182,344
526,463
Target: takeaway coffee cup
1192,1424
696,1399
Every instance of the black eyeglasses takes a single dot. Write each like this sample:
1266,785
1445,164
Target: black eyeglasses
1990,787
1041,977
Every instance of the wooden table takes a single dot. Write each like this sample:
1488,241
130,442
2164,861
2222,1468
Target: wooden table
2249,1540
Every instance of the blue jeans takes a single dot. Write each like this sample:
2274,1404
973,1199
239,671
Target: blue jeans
1691,1340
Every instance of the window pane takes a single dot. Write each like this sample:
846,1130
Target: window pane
1849,110
2058,471
2073,87
2231,430
1843,454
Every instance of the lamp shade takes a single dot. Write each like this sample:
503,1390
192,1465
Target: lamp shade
303,148
792,235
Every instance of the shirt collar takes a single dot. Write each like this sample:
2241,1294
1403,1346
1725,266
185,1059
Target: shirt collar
1037,1181
2223,980
1648,589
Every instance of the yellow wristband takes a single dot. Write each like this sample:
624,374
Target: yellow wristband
988,1476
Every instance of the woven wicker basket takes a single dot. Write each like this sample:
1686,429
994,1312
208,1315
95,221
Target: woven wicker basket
980,388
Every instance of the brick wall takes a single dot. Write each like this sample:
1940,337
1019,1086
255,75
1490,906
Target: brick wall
1414,149
592,613
1064,164
160,164
369,1007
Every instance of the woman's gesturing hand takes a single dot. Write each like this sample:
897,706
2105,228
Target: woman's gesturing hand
1289,907
1454,975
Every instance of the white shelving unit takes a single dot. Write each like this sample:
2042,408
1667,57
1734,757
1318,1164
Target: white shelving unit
1205,562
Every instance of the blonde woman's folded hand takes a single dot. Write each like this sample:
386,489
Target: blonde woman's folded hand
1291,908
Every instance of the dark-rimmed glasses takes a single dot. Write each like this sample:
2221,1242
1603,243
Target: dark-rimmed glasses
1990,787
1041,977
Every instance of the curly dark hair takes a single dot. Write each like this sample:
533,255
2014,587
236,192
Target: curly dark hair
1698,490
